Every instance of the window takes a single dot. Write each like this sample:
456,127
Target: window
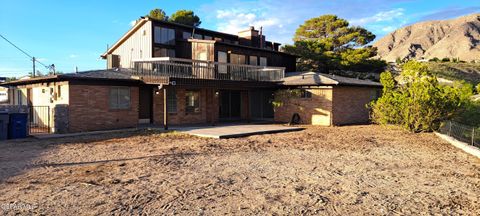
192,99
237,59
164,35
253,60
59,91
222,58
171,101
187,35
163,52
208,37
263,61
305,94
197,36
120,98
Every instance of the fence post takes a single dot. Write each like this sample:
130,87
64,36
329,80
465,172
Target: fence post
450,128
473,136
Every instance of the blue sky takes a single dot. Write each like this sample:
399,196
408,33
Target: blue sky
75,33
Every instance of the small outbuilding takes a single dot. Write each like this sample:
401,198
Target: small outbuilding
327,99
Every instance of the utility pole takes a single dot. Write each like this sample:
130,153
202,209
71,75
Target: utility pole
33,60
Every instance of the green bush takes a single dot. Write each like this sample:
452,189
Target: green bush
445,59
417,101
477,88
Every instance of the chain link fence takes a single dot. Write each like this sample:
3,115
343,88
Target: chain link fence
461,132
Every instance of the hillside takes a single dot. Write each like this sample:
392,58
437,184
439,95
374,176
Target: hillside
469,72
455,38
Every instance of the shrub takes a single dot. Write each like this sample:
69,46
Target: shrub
418,102
445,59
434,59
477,88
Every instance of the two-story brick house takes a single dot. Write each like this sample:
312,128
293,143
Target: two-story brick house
165,73
205,76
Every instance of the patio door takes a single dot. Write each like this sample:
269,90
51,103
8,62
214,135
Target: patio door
261,107
230,105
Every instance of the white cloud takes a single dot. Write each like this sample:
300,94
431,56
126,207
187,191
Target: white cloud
234,21
132,23
379,17
73,56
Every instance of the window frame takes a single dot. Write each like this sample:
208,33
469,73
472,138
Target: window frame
196,105
115,105
169,52
250,60
260,61
158,32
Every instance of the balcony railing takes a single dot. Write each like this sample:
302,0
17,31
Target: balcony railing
153,70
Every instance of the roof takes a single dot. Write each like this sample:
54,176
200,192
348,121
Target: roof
108,75
321,79
140,22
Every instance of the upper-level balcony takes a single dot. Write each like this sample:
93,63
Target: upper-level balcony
157,70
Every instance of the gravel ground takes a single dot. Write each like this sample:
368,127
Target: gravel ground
321,170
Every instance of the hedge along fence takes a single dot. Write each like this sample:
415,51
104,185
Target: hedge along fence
464,133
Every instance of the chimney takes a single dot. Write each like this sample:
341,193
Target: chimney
249,37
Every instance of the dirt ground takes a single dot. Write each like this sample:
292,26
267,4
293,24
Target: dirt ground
339,170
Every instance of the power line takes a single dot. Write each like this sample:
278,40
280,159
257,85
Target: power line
31,57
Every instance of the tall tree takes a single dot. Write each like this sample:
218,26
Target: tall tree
158,14
328,42
186,17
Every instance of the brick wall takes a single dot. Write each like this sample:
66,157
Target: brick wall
315,110
208,108
349,104
89,109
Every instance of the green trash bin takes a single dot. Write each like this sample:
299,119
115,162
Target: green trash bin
4,119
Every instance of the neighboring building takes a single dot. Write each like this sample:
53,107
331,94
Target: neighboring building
328,99
3,95
160,73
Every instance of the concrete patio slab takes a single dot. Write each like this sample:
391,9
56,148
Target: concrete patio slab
235,131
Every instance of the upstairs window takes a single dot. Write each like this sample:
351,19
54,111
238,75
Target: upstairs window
253,60
119,98
192,99
186,35
237,59
164,35
163,52
263,61
198,36
208,37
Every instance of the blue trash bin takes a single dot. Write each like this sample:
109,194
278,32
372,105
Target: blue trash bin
18,126
4,119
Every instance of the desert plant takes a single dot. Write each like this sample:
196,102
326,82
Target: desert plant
477,88
445,59
434,59
418,102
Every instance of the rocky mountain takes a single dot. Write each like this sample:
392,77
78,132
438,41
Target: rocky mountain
455,38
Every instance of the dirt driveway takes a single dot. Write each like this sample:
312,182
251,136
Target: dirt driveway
339,170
